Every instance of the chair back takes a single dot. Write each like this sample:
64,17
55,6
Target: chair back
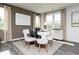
25,32
43,35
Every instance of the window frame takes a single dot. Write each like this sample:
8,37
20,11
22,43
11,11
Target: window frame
2,28
53,18
39,22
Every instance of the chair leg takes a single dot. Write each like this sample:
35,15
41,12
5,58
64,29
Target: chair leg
34,43
51,43
25,44
46,48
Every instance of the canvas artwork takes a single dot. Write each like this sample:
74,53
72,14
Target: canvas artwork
22,19
75,19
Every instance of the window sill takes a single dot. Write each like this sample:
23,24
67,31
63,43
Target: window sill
56,29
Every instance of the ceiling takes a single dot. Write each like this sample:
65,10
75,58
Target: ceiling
42,7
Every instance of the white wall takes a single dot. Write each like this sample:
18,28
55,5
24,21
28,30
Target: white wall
72,32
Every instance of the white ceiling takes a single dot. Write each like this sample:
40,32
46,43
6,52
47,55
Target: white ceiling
42,7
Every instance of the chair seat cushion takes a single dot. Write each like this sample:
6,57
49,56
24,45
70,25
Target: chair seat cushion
40,41
30,39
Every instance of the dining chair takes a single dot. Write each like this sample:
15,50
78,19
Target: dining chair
43,40
27,38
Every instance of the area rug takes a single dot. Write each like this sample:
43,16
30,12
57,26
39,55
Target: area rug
33,50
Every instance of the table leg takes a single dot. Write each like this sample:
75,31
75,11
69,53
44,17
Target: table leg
39,47
28,44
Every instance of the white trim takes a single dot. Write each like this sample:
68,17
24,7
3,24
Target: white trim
18,39
14,39
10,24
3,41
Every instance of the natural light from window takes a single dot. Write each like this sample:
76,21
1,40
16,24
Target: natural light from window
37,21
1,17
57,17
57,20
2,12
49,18
53,20
5,52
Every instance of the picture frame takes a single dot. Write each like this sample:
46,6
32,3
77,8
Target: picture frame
75,19
22,19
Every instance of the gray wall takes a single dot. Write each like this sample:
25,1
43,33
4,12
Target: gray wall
17,30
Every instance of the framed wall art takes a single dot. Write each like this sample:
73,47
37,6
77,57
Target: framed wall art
75,19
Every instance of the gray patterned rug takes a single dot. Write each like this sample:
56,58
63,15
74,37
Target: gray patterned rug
33,50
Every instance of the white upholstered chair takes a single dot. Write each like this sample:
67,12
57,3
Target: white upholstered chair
27,38
43,40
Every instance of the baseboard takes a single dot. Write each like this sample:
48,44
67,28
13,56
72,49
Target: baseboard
13,40
18,39
3,41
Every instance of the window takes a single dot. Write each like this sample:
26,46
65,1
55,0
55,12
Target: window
53,20
1,17
49,20
37,21
57,20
